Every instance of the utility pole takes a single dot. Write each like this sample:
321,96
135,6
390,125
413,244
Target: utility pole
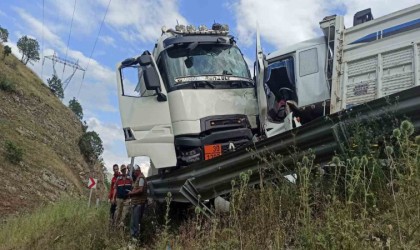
74,65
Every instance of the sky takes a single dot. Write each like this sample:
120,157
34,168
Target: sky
105,32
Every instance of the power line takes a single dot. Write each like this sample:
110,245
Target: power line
42,43
94,45
68,40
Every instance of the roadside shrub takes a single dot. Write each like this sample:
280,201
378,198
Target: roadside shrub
14,153
7,85
6,51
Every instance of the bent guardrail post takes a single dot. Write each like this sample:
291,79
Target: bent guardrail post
192,195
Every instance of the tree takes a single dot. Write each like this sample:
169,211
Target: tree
56,87
6,51
29,48
75,106
4,34
90,145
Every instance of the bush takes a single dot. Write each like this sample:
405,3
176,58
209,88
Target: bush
14,153
7,85
6,51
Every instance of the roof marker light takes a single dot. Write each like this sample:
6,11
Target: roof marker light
190,28
202,28
180,27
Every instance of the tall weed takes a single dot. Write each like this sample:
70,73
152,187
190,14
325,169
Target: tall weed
367,197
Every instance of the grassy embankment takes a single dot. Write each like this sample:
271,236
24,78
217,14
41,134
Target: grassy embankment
368,198
68,224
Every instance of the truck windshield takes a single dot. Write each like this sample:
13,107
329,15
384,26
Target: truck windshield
202,60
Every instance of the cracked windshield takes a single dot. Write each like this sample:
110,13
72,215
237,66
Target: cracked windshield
205,59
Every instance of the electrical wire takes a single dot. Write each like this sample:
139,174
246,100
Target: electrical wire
68,40
42,42
93,49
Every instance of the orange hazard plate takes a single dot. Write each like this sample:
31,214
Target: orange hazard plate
212,151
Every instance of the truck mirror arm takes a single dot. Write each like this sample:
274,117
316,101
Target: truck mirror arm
161,97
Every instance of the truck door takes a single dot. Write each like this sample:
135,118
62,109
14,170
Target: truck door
259,83
268,125
145,113
311,77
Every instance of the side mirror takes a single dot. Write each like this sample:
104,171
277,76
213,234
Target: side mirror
144,60
128,62
151,77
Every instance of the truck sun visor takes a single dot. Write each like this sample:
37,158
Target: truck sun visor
198,39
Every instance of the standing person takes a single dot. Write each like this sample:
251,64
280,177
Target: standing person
111,192
138,202
122,187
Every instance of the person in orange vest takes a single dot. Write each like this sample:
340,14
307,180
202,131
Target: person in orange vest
115,168
122,187
138,202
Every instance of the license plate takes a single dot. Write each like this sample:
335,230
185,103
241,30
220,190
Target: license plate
212,151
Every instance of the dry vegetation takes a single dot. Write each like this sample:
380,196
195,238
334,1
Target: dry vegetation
365,198
366,201
68,224
36,123
368,198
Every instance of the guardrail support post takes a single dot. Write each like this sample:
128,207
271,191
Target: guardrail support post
192,195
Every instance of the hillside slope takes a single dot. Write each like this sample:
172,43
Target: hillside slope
32,118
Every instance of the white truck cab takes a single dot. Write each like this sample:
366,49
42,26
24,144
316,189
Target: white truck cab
191,99
343,68
289,81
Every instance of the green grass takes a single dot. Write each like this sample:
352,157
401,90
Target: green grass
366,201
68,224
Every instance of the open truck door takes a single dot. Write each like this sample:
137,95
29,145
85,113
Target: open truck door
259,83
144,110
267,98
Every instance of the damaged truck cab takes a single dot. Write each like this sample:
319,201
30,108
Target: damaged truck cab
344,67
191,99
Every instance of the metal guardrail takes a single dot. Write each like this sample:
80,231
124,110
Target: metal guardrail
325,136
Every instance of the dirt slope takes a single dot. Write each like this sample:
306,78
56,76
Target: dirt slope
32,118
